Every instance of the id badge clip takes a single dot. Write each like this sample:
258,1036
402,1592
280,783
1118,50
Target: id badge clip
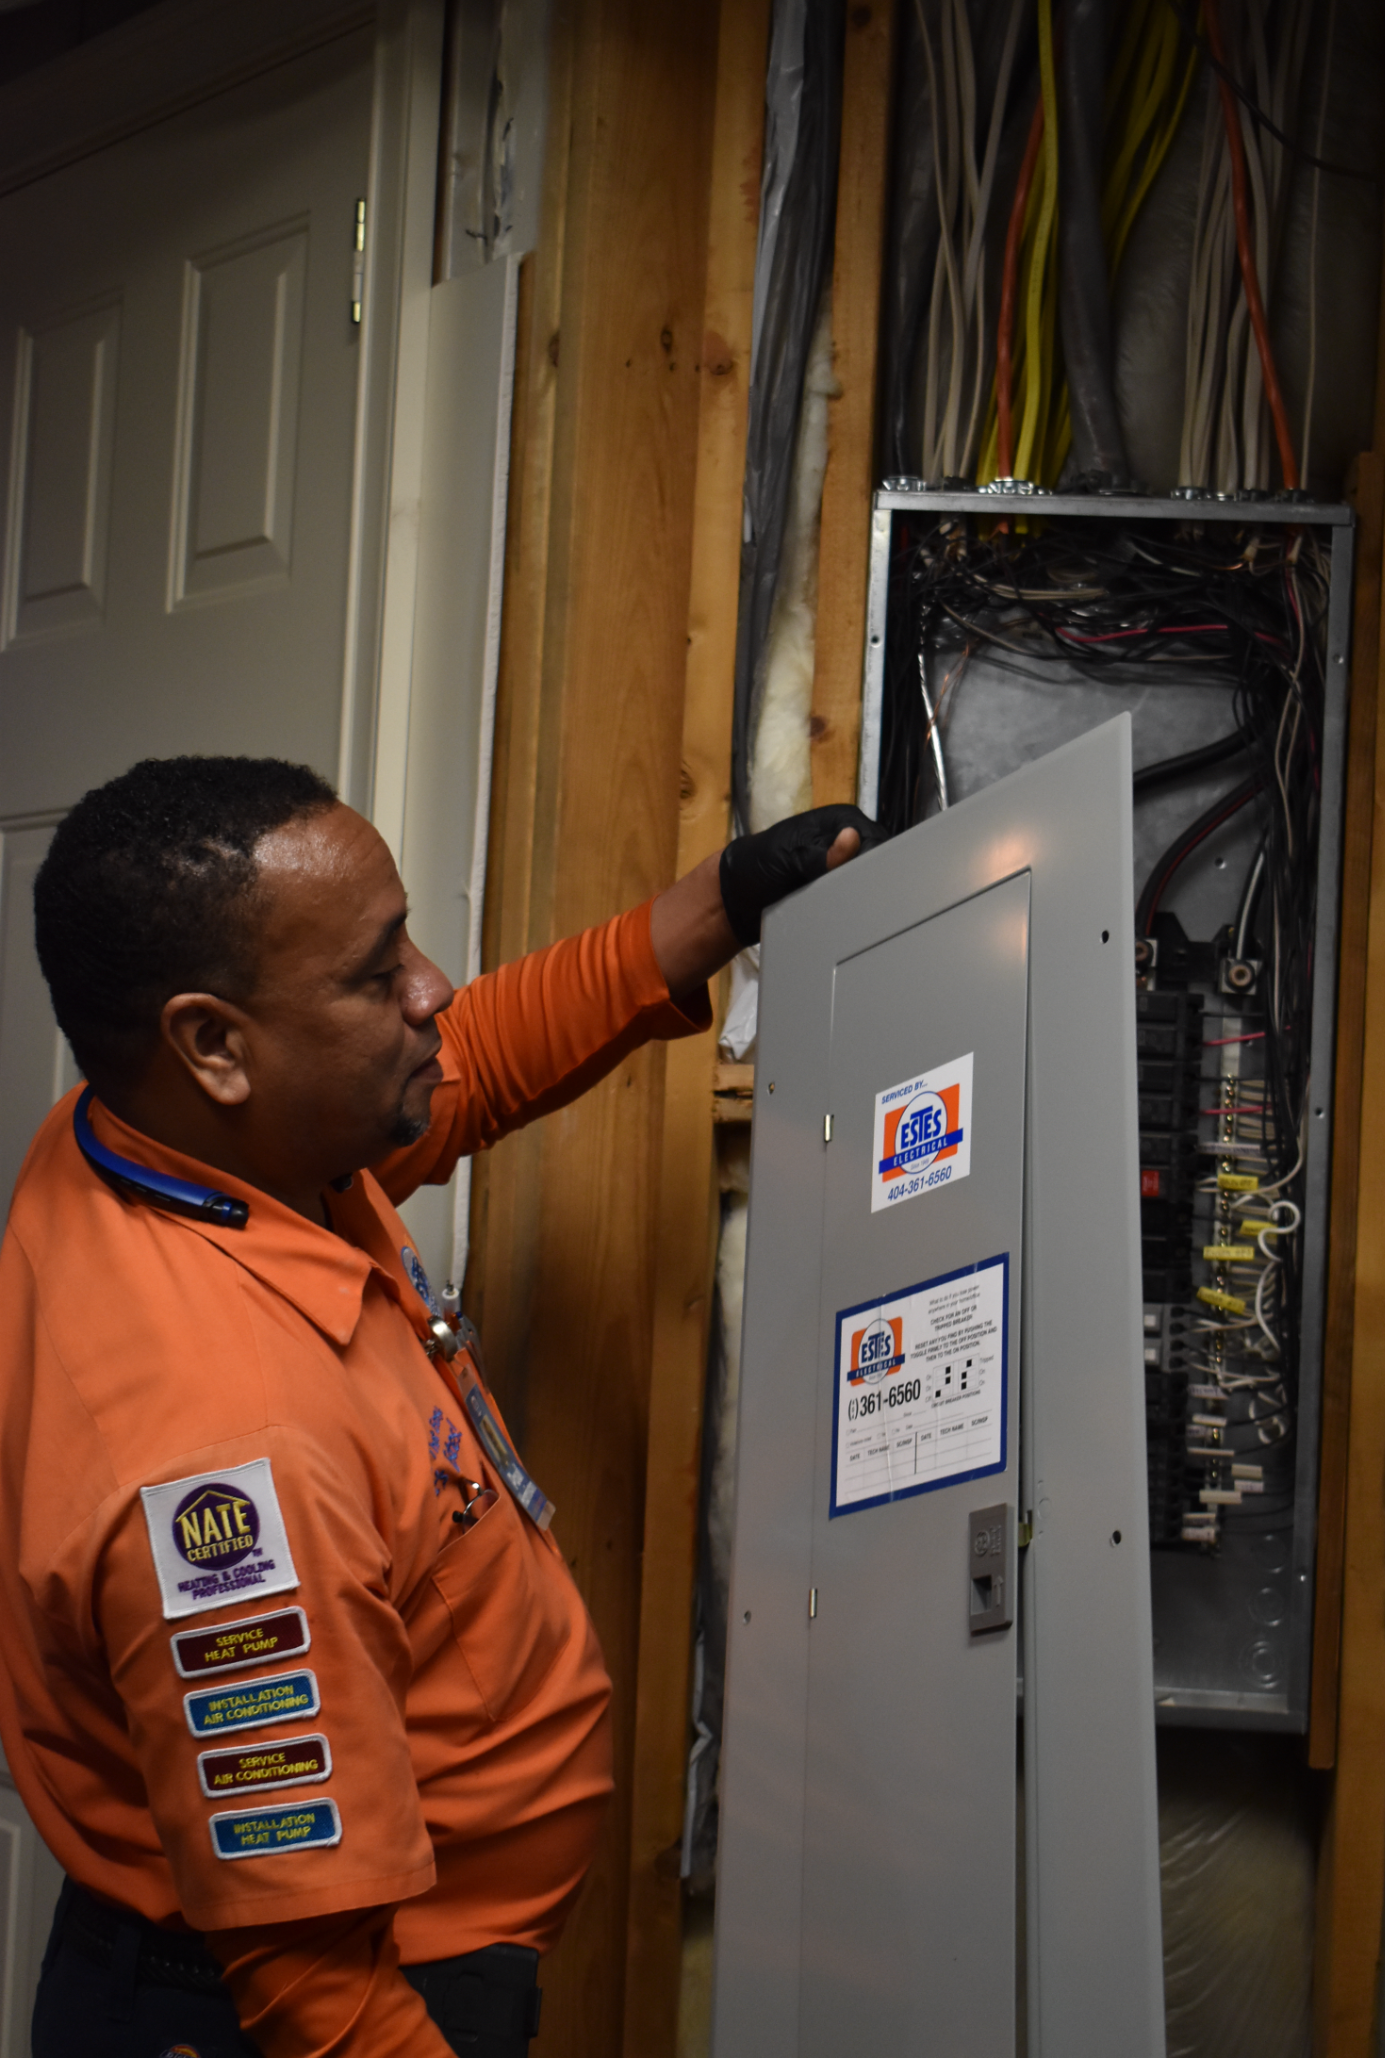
457,1347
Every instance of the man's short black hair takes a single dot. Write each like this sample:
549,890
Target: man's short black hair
148,890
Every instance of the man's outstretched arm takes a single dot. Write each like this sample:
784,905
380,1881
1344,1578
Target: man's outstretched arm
532,1037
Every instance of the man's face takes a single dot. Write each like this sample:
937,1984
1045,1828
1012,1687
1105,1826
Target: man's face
342,1045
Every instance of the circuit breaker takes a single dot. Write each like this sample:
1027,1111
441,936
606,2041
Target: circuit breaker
939,1565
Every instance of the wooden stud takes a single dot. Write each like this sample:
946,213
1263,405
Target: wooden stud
686,1209
1369,497
856,273
597,627
504,1192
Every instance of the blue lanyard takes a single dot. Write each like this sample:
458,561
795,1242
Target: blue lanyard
141,1182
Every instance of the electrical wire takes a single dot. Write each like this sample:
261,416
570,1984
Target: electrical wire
1250,282
1172,770
1048,206
1311,378
1005,327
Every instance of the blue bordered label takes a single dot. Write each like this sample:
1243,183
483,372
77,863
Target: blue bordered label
269,1832
922,1388
286,1697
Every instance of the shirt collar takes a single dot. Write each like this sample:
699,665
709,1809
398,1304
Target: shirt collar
321,1272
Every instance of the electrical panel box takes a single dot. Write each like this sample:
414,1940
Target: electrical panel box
939,1566
1001,625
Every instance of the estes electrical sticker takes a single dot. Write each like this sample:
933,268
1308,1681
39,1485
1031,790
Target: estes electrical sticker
921,1379
922,1134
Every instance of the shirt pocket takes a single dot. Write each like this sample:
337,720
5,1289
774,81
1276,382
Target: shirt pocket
510,1602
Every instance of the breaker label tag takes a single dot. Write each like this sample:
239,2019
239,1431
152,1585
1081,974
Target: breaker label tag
922,1137
921,1387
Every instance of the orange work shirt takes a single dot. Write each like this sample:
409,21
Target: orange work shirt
253,1671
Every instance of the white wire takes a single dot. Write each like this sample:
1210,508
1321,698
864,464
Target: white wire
934,737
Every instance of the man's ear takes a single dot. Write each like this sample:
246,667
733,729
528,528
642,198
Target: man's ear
207,1036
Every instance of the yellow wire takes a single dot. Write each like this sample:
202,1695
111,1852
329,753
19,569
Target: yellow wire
1132,40
1151,89
1158,151
1048,210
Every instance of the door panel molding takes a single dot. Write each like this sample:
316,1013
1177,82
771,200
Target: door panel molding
156,65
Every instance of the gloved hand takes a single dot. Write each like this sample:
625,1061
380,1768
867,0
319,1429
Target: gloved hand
758,870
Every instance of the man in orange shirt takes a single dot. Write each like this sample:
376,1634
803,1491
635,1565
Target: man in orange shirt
296,1684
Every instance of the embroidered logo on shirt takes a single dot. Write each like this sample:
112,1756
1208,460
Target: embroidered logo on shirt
218,1537
223,1645
260,1832
297,1761
419,1280
287,1697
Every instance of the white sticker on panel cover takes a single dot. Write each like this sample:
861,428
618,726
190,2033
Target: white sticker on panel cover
922,1134
921,1383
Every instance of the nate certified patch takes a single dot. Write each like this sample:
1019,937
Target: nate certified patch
287,1697
261,1832
297,1761
218,1537
222,1646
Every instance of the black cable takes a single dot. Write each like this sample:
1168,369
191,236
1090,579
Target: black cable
1188,19
1183,847
1170,770
1084,288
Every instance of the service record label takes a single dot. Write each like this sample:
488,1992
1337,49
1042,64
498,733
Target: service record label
922,1134
921,1384
287,1697
222,1646
296,1761
218,1537
261,1832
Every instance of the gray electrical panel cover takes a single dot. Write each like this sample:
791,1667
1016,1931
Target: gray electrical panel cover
941,1380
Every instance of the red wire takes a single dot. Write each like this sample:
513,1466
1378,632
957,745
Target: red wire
1005,330
1288,463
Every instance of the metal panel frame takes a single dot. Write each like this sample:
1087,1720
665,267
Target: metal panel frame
1286,1709
1093,1928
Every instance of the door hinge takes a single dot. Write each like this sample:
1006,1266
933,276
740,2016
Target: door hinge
827,1128
812,1604
358,265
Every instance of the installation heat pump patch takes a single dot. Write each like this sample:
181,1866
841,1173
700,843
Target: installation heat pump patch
922,1134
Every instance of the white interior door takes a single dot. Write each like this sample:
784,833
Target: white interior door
175,331
182,426
177,347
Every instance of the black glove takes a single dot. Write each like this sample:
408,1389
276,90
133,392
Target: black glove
758,870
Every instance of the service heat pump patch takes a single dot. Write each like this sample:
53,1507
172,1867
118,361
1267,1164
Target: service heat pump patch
922,1134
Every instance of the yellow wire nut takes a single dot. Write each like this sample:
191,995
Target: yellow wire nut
1225,1303
1238,1182
1230,1253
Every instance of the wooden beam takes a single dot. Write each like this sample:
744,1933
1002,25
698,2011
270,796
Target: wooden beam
504,1191
686,1207
1352,1871
845,548
1369,497
597,643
